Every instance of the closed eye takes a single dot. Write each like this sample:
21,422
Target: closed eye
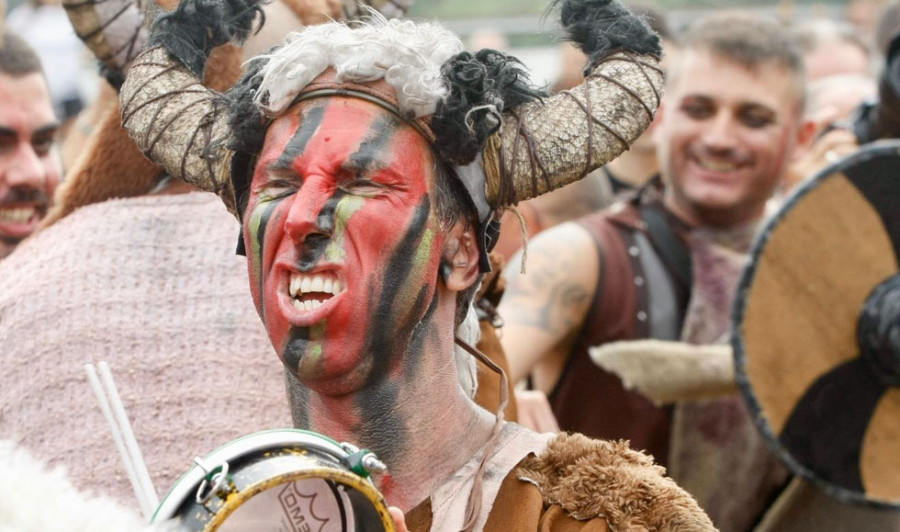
279,187
363,187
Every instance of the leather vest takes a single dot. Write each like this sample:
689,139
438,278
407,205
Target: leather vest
636,298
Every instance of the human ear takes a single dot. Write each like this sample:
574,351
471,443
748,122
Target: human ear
459,268
806,134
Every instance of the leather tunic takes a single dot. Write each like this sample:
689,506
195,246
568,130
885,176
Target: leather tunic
637,297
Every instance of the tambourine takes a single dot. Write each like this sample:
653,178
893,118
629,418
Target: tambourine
280,481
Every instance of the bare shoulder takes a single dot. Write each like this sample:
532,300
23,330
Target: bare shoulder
543,309
559,282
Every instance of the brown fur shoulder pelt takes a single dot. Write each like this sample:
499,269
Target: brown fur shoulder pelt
315,11
223,68
112,166
592,478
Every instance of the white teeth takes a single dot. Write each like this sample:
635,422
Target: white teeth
717,166
317,284
309,305
17,215
301,284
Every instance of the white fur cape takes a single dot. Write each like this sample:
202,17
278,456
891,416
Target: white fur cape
34,498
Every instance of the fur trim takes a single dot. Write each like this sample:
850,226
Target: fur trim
36,499
669,372
195,27
407,56
594,478
466,365
603,27
482,86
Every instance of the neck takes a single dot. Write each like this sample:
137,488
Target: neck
723,219
418,421
634,167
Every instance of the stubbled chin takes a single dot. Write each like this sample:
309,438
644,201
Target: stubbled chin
330,384
321,370
16,232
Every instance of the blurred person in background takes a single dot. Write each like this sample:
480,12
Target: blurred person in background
137,269
832,103
864,15
29,163
665,265
888,24
835,48
841,67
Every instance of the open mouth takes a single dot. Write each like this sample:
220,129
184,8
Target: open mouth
717,165
311,291
17,215
19,222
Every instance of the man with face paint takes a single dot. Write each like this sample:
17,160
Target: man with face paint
29,164
137,269
666,263
367,165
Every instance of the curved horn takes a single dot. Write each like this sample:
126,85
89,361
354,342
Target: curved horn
174,119
389,8
97,174
178,123
545,145
113,30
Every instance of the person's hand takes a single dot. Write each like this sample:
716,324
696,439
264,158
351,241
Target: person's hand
534,411
399,519
827,149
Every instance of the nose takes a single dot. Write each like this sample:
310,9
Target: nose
306,215
26,169
720,134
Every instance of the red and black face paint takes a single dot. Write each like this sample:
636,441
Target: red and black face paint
342,242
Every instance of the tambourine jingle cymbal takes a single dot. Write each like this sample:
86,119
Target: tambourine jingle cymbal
279,481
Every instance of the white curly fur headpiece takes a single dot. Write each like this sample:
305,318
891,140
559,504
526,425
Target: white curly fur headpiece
407,55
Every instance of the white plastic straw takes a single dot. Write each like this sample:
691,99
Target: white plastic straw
123,436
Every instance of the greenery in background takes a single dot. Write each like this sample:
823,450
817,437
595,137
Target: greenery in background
450,9
475,9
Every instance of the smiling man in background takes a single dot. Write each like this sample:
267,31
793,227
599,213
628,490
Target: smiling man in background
665,265
29,166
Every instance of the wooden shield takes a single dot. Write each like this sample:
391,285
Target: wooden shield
817,329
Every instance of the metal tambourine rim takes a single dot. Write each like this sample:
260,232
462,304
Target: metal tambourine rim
758,413
187,485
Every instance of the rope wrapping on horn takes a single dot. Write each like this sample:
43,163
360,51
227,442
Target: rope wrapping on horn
112,29
544,145
174,120
354,9
178,123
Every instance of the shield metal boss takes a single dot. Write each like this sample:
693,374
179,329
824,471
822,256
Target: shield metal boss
817,329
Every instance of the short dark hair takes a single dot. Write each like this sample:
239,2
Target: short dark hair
750,41
17,57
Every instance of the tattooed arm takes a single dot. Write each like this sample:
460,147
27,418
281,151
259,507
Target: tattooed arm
544,308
